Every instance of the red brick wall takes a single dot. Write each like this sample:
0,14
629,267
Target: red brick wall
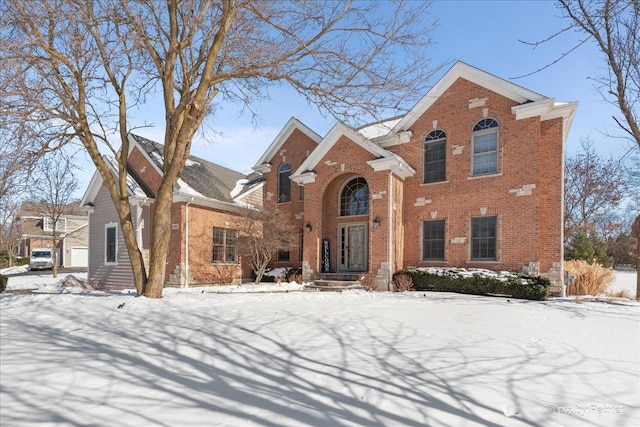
529,152
522,157
294,151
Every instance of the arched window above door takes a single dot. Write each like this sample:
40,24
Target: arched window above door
354,198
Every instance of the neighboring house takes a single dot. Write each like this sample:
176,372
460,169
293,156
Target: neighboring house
206,201
36,231
471,176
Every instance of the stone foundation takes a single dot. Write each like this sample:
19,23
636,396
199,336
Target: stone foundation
177,278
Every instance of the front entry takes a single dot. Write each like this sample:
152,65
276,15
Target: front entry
354,247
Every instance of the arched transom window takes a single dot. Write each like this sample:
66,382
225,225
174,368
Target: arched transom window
354,199
485,147
435,157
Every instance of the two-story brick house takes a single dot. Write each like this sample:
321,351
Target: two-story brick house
471,176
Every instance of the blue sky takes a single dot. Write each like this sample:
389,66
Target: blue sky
483,34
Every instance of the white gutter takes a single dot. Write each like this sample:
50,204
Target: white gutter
186,244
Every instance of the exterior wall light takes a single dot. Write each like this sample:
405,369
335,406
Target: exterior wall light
308,227
376,222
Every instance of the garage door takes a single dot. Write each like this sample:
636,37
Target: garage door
79,257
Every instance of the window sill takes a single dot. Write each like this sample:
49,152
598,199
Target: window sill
490,175
110,264
284,203
434,261
424,184
224,263
484,261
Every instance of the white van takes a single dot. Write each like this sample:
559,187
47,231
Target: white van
41,258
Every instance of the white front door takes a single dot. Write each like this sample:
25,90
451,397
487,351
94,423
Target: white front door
354,247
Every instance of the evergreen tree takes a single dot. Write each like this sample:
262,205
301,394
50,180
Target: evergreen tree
588,247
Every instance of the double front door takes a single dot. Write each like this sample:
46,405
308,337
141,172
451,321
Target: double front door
353,247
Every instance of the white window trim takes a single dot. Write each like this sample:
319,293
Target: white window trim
106,227
47,224
497,150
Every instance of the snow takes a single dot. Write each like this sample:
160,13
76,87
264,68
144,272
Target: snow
624,281
379,129
185,188
212,356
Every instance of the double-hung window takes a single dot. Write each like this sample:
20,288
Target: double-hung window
485,147
433,240
483,238
225,245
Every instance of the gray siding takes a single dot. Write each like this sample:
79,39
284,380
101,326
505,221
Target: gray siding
101,275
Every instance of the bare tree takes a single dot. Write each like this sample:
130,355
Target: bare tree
593,188
85,68
262,232
9,228
53,187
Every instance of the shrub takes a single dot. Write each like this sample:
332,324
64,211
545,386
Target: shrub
588,279
479,283
402,283
3,282
368,282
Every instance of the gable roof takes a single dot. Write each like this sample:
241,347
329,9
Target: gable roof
199,177
475,75
263,165
383,159
134,186
211,184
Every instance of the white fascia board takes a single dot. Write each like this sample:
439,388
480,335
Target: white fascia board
338,130
262,168
208,203
401,137
92,190
395,164
304,178
564,110
280,139
533,109
474,75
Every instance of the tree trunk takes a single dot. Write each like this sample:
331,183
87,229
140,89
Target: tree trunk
54,259
129,235
161,232
636,233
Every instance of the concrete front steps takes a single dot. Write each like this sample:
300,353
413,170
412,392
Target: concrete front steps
335,282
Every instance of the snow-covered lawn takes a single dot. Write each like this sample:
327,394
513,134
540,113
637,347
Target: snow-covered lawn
290,358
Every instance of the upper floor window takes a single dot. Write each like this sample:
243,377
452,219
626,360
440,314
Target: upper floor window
485,147
284,183
225,245
435,153
47,224
354,198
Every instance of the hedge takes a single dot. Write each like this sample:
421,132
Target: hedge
514,286
3,282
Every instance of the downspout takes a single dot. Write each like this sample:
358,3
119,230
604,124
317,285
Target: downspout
390,225
563,289
186,244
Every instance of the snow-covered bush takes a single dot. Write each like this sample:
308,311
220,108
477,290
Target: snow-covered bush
478,282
